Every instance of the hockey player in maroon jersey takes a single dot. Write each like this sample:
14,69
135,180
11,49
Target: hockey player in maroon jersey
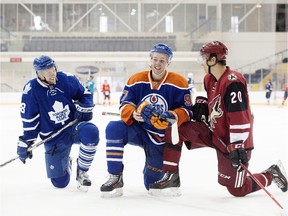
222,121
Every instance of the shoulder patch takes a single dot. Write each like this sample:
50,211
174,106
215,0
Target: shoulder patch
27,88
232,77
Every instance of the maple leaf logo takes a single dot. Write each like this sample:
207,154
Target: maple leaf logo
27,88
60,113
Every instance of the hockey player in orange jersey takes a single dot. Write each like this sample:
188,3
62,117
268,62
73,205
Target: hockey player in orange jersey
149,98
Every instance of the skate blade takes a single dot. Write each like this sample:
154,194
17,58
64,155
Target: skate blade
111,194
167,192
82,188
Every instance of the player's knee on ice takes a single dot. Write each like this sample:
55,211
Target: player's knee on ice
61,182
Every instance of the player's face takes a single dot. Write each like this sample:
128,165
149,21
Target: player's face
49,75
159,63
204,63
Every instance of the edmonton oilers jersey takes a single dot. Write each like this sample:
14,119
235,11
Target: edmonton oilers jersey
170,93
46,109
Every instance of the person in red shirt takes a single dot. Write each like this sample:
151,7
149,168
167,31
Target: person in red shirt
285,95
222,121
106,92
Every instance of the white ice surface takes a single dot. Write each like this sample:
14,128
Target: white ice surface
26,191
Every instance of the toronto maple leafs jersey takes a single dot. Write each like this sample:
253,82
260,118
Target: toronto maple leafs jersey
46,109
170,93
229,109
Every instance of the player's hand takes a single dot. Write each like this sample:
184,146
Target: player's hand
22,149
200,109
137,116
165,120
84,112
238,155
147,111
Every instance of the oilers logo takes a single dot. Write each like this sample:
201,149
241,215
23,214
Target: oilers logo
158,101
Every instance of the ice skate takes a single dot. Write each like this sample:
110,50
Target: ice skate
83,180
279,175
169,185
113,186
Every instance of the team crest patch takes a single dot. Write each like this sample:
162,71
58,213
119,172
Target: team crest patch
232,77
216,111
60,113
158,101
27,88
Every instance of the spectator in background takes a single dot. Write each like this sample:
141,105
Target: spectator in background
191,84
285,95
106,92
269,88
90,85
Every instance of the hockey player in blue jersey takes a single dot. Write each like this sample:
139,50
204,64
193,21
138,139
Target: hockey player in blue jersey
149,98
49,102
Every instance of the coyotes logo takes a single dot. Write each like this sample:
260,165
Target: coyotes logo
216,111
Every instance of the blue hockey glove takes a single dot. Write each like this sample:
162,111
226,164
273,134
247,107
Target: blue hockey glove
165,120
147,111
200,109
22,149
84,112
238,155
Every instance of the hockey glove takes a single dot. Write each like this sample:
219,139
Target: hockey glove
84,112
238,155
200,109
165,120
22,149
147,111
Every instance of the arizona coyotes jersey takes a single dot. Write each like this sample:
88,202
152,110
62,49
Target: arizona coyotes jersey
170,93
45,109
230,114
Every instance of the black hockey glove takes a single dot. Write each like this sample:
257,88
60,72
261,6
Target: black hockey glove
22,149
200,109
238,155
84,112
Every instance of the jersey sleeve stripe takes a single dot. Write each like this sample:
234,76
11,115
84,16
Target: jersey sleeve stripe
241,126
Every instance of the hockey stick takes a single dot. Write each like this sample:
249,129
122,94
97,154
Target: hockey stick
174,131
261,186
218,138
42,141
110,113
174,127
251,174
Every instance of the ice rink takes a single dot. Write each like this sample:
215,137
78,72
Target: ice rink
26,191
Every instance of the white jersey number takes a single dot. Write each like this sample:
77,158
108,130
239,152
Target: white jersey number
22,107
235,97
